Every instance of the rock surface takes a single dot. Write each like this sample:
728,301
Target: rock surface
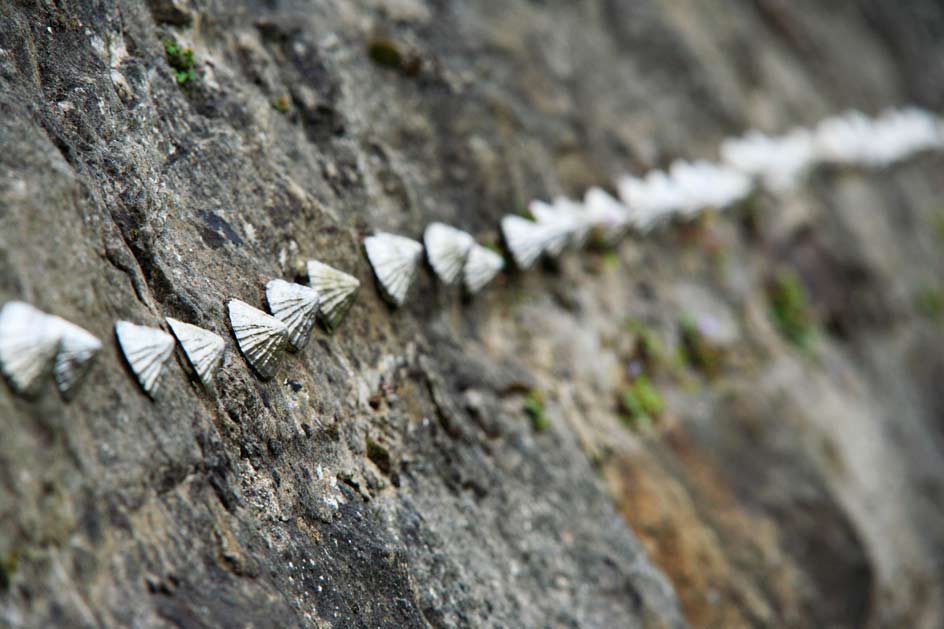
389,475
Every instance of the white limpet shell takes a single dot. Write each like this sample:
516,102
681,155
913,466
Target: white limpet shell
394,260
146,349
481,266
576,219
447,249
297,307
29,342
558,226
336,292
204,349
612,218
77,350
262,338
526,240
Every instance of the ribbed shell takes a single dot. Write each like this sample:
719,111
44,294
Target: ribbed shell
447,249
29,341
565,223
261,338
576,219
146,349
394,260
77,350
336,291
525,239
296,306
204,349
481,266
608,215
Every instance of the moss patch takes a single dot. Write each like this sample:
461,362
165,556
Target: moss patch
379,456
534,409
790,309
282,104
929,302
8,565
641,404
182,61
385,52
939,226
648,348
696,350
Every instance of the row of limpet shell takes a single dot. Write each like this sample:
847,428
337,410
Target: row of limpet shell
35,345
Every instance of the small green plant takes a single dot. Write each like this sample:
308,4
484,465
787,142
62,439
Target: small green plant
8,566
939,226
929,302
182,61
534,409
611,259
641,404
379,456
282,104
385,52
790,309
649,348
696,350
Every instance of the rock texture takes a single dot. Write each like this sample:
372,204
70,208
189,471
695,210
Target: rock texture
389,474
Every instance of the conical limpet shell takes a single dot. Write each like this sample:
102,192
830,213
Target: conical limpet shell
609,216
77,350
262,338
525,239
146,349
481,266
447,249
394,260
29,342
336,292
296,306
204,349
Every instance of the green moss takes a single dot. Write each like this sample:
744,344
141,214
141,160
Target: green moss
385,52
8,565
534,409
611,259
939,226
182,61
641,404
282,104
790,309
697,351
929,302
649,348
379,456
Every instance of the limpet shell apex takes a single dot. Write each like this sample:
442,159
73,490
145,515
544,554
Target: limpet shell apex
77,351
297,307
146,349
447,249
394,260
203,349
261,337
29,342
336,291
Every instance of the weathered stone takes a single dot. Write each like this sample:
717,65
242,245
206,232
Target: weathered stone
389,476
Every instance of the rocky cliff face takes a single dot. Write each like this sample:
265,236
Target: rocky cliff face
390,474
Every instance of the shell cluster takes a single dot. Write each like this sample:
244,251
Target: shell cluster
36,346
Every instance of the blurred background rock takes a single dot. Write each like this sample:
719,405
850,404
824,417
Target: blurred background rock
737,423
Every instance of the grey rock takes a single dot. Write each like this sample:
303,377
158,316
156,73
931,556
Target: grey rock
388,477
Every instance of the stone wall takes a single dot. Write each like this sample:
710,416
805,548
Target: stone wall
389,475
